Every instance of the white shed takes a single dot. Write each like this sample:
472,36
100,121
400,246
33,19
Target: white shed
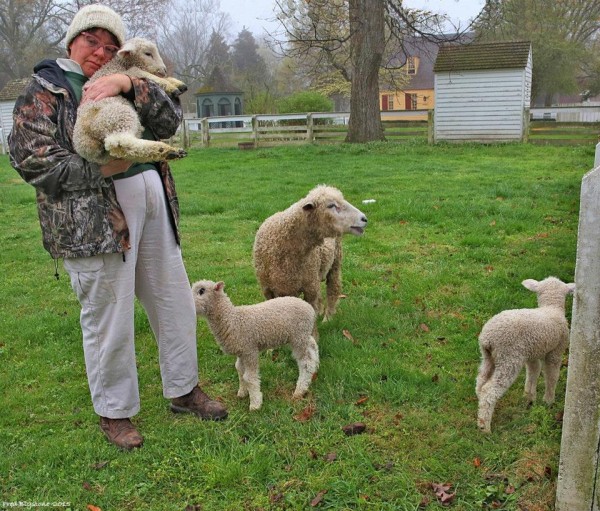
482,92
8,95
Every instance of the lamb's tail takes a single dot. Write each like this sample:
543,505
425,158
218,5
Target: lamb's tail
128,147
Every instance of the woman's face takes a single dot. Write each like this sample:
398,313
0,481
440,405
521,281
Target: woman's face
92,49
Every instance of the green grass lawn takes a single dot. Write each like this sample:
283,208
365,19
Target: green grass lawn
453,232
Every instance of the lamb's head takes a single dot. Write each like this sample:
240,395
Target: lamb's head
144,54
334,216
550,291
206,293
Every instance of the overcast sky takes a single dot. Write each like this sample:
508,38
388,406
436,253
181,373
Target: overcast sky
255,14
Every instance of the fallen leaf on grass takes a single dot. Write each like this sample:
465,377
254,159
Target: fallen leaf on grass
193,507
476,462
87,486
348,335
90,507
489,268
362,400
510,489
354,429
332,456
317,500
100,466
441,492
306,414
424,327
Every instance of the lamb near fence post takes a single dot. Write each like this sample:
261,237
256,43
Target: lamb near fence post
110,128
518,337
246,330
297,249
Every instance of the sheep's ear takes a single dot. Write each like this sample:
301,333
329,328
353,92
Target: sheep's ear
530,284
309,206
571,287
126,49
219,286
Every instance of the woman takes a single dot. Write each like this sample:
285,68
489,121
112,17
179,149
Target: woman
115,226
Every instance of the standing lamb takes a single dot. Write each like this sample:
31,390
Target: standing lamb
518,337
296,249
246,330
110,128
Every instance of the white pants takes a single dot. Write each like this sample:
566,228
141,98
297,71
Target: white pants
106,287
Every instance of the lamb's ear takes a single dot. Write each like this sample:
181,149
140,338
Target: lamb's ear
126,49
530,284
219,286
309,206
571,287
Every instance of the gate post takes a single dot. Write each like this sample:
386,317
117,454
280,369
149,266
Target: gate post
578,467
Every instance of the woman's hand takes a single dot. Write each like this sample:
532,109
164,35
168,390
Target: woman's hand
115,167
106,87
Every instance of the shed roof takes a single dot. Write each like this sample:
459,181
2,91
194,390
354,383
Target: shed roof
13,89
480,56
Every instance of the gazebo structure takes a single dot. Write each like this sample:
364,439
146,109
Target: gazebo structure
219,98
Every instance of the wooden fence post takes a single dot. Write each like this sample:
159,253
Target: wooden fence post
184,135
430,127
309,128
255,130
577,488
205,132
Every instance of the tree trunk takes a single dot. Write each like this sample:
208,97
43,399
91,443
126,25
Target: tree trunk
367,45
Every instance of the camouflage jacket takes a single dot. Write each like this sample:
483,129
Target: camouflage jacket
78,208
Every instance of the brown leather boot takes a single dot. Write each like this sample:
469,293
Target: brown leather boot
198,403
121,432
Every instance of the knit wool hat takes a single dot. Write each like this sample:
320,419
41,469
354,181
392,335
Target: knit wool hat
96,16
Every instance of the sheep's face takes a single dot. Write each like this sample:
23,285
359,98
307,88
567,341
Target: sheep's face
338,216
204,293
144,54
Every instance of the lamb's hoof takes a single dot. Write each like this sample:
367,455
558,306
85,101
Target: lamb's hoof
242,394
483,427
254,408
182,88
298,395
176,154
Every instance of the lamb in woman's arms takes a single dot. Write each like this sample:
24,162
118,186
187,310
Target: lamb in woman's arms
110,128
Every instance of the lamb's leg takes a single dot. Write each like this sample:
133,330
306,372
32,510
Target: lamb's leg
307,356
552,364
486,369
492,391
533,368
252,380
239,365
128,147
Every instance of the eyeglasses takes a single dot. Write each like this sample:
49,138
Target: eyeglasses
95,43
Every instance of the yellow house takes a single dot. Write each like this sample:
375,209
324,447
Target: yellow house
417,96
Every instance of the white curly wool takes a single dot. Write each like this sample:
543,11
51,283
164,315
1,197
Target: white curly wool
246,330
297,249
110,128
511,339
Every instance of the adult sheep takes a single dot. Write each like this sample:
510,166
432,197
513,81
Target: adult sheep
297,249
110,128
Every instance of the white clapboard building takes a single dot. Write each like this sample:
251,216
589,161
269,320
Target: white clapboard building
8,95
482,92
